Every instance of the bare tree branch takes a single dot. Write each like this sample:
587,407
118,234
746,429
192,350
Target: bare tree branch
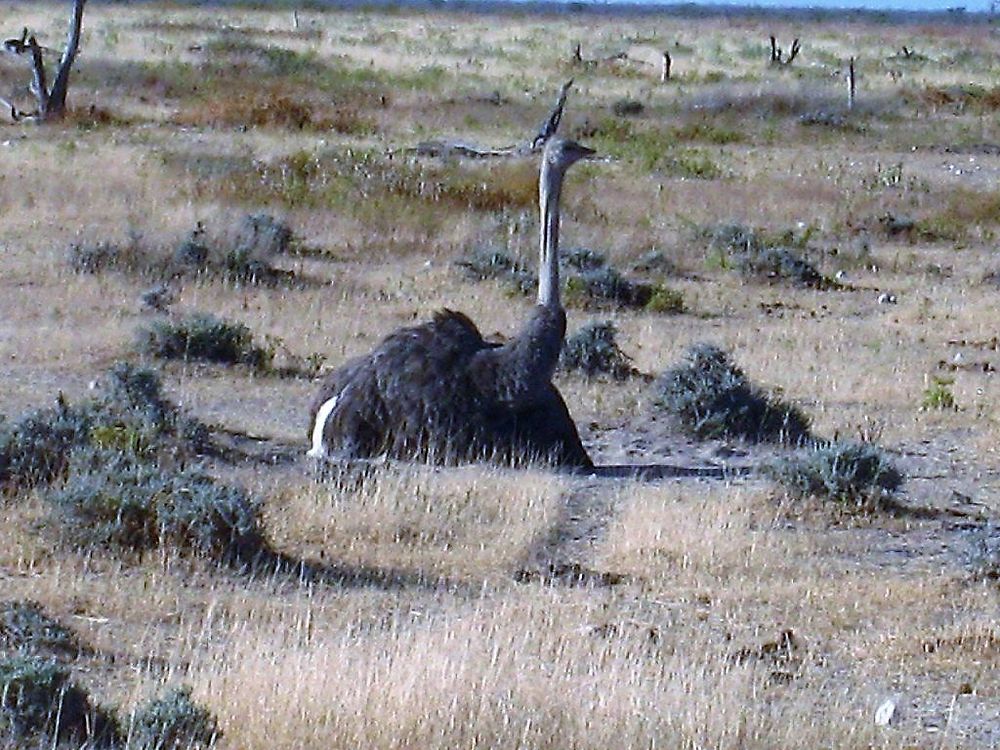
536,144
551,125
51,102
39,85
57,97
15,114
778,54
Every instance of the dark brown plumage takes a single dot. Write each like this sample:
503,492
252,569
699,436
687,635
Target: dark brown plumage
429,392
441,393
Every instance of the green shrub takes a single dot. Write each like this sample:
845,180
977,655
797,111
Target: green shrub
665,300
38,702
173,721
938,395
712,398
690,164
115,501
203,337
594,351
858,473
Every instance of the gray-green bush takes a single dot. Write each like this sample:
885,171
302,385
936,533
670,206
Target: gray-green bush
205,338
846,472
710,397
39,702
593,351
117,501
127,413
173,721
24,626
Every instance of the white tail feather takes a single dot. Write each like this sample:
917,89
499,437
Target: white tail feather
318,450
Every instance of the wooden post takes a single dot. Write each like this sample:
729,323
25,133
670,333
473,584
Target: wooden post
295,19
851,85
665,68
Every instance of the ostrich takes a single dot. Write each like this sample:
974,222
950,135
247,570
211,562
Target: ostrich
439,392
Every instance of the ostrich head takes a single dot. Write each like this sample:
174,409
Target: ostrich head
559,155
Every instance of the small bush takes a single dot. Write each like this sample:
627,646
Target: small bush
712,398
203,337
97,258
666,301
484,264
757,256
606,285
582,259
846,472
173,722
594,351
691,164
35,449
128,414
39,702
655,261
265,236
193,251
627,107
25,626
115,501
938,396
780,263
985,554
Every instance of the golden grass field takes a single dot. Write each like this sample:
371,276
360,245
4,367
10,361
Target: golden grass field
427,638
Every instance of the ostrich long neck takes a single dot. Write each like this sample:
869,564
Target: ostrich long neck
549,190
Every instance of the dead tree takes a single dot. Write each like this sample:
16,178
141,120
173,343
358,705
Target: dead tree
534,145
51,102
778,54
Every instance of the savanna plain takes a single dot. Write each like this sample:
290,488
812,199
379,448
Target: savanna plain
696,605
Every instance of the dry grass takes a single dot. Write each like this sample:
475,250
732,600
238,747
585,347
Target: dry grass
414,631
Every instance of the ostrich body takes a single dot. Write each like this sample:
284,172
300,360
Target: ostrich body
440,392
